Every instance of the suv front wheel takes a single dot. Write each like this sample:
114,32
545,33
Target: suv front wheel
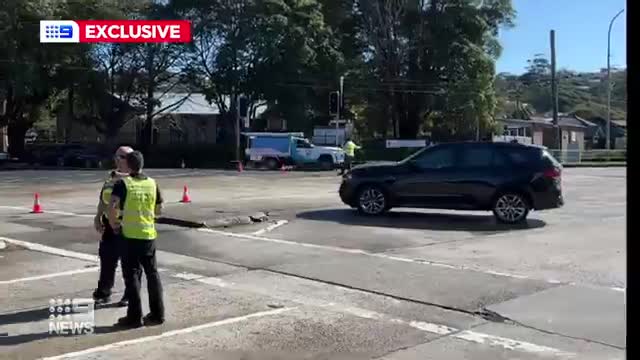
511,208
372,200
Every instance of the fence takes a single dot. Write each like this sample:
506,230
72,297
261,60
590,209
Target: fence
589,156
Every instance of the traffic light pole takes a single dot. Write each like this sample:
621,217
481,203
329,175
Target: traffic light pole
238,128
338,112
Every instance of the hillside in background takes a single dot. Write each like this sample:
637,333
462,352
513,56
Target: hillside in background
583,93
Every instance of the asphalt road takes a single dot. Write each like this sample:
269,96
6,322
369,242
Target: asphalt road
319,281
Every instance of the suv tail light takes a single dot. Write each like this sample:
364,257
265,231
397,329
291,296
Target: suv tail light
553,173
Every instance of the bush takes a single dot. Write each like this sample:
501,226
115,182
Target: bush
376,150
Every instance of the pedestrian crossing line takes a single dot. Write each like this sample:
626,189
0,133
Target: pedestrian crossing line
439,329
168,334
271,227
53,275
51,250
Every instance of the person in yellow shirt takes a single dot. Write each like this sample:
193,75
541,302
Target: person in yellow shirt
349,153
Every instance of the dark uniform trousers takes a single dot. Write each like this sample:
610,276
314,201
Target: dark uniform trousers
140,255
109,252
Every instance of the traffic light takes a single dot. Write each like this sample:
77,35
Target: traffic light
334,103
244,107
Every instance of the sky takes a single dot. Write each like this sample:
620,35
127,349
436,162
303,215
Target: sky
581,34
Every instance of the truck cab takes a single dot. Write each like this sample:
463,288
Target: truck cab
273,150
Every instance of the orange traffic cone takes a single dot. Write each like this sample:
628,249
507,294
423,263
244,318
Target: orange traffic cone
37,209
185,195
240,168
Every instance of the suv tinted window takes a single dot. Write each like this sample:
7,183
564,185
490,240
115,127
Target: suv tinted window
522,155
439,158
476,156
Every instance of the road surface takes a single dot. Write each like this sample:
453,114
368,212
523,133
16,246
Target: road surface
320,282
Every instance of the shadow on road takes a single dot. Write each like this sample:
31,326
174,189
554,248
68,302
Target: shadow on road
419,220
27,316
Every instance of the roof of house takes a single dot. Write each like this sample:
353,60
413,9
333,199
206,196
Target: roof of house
180,103
185,103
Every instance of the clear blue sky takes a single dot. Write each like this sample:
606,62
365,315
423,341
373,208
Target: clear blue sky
581,34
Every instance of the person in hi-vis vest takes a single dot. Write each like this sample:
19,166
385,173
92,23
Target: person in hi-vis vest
110,242
138,198
349,153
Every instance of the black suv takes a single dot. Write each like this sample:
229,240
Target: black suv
506,178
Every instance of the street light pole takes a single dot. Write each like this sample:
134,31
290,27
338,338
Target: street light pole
609,81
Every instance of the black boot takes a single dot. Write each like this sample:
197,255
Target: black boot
126,322
99,298
151,320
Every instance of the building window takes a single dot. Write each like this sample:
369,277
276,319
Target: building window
574,137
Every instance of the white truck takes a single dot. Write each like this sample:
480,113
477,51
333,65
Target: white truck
273,150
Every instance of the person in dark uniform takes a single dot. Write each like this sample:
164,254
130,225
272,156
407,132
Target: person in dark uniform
139,200
110,242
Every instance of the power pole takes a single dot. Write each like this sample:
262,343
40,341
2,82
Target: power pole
340,94
554,90
609,81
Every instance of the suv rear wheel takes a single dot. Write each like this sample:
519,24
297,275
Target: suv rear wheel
511,208
372,200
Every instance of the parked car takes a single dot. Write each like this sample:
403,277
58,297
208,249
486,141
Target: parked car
274,149
508,179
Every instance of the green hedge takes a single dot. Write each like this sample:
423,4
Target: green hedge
376,150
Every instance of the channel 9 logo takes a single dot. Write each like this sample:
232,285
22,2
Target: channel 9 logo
59,31
71,316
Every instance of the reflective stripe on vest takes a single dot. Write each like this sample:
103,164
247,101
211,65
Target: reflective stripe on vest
138,215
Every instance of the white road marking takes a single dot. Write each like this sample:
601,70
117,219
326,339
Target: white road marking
511,344
117,345
54,212
271,227
187,276
256,236
48,276
439,329
51,250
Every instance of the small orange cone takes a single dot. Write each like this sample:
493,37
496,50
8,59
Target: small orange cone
185,195
240,168
37,208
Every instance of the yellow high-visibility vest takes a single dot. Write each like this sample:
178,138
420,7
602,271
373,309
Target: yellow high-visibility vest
350,148
138,214
107,189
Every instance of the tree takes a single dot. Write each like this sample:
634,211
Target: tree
266,50
27,68
435,58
